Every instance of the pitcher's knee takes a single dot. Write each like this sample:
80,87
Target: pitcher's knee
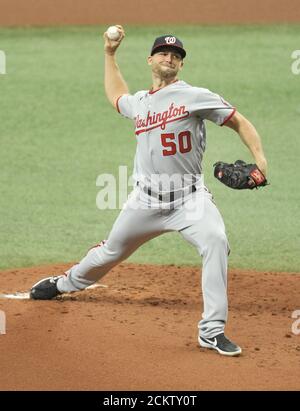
216,238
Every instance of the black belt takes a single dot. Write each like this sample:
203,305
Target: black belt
170,195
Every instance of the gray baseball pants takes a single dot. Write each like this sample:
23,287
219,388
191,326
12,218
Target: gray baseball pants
197,219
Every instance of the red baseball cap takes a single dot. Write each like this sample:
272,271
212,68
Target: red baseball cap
168,40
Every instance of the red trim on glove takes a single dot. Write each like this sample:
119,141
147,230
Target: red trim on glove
257,176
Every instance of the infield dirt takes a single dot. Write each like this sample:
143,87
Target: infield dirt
140,333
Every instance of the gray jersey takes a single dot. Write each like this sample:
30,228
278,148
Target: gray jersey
170,131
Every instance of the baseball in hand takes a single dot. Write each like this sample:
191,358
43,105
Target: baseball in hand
113,33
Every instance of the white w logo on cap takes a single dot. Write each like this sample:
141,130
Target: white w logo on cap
170,40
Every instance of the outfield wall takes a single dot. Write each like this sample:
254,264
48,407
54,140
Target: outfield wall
74,12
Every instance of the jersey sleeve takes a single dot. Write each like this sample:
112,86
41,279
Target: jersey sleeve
214,108
125,105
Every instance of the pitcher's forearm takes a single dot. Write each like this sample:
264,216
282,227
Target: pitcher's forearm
114,83
252,140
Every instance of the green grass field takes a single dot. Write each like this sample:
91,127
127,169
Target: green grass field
58,133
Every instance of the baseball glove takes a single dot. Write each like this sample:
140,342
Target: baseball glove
239,175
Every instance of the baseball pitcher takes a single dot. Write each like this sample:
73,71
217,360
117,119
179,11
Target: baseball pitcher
169,193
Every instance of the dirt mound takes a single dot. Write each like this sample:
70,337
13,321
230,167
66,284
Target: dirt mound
140,333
